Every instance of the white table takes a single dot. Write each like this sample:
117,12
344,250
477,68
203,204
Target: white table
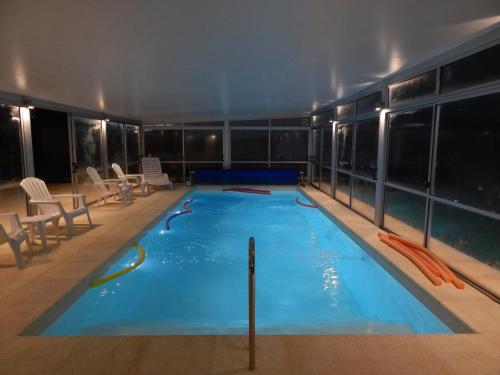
39,221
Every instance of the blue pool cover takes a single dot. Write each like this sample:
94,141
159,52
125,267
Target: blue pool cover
236,176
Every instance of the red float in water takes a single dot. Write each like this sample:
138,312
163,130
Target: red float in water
249,191
187,210
305,204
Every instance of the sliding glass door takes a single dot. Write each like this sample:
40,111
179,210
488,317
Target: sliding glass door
12,198
87,152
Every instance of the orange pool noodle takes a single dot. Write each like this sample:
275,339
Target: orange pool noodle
412,257
447,274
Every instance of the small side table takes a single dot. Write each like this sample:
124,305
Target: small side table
39,221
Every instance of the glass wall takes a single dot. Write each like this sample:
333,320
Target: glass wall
51,150
321,156
468,152
167,144
12,198
203,149
115,146
182,148
356,158
270,144
133,148
88,146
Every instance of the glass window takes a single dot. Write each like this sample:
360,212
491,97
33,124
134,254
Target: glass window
12,198
114,141
207,123
175,171
363,197
366,150
316,146
132,139
249,145
88,143
165,144
418,87
473,234
369,103
51,152
404,214
88,154
323,119
301,167
326,149
262,122
325,181
289,145
246,166
345,111
343,188
203,145
409,147
468,152
482,67
344,146
201,166
290,122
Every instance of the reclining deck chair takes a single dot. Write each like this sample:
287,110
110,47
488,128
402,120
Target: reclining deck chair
49,204
123,188
151,167
138,180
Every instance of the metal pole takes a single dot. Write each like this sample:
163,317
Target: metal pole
251,303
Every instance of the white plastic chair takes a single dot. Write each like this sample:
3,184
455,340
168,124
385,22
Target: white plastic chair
151,167
138,179
14,237
123,188
50,205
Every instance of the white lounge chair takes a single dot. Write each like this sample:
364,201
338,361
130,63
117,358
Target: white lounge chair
138,180
151,167
50,205
101,186
14,237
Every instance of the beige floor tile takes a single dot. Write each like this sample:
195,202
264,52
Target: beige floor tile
177,355
103,355
35,355
232,356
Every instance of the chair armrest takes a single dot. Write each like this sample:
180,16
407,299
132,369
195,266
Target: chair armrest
15,223
137,177
82,198
112,181
68,195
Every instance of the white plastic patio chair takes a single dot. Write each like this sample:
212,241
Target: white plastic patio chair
101,186
151,167
15,236
50,205
138,180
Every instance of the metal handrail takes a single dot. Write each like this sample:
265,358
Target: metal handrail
251,303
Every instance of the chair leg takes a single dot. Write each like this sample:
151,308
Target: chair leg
55,223
16,249
88,217
69,225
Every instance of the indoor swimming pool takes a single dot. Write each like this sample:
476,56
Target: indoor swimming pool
311,277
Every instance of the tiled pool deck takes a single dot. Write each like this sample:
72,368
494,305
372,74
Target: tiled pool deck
26,294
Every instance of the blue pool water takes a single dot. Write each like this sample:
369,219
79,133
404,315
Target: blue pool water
311,278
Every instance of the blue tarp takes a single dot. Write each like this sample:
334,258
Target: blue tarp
235,176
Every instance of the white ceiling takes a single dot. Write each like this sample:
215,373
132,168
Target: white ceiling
183,60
